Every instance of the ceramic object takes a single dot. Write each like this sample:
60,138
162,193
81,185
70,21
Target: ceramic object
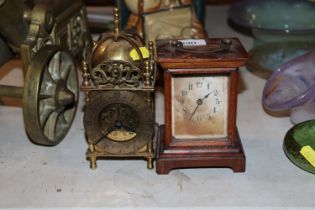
264,59
300,135
280,20
292,87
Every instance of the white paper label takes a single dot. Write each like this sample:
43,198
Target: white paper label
193,42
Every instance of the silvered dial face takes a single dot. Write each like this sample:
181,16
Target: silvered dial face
200,107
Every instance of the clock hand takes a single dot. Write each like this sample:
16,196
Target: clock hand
129,129
199,102
192,114
206,96
109,130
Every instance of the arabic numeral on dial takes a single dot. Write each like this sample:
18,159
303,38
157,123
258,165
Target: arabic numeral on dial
184,93
199,84
218,101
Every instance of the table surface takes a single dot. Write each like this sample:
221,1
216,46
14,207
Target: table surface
59,177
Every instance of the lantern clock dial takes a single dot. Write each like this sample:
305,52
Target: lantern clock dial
200,107
118,122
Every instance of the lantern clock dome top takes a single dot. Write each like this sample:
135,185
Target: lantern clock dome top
116,46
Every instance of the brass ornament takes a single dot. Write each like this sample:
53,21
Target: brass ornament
50,95
51,84
55,36
69,30
119,117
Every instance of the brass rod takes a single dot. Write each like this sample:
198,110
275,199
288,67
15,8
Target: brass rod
11,91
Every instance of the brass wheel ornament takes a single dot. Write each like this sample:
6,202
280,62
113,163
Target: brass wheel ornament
50,95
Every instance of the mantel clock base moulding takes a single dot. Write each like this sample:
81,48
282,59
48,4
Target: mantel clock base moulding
200,83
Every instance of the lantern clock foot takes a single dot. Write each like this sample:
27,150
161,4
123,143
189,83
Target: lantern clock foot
147,155
93,165
150,163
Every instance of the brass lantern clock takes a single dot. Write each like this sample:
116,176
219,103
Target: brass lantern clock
200,82
118,80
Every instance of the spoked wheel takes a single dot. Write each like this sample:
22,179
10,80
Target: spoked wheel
50,95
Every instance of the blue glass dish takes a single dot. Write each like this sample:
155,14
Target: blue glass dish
280,20
266,58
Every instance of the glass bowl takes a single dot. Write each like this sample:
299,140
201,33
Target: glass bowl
272,21
292,88
264,59
302,134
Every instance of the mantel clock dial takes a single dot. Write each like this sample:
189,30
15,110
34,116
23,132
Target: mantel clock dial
199,101
200,104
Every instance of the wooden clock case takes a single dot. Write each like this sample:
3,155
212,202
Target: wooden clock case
224,152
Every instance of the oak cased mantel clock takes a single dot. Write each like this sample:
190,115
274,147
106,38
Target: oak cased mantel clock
200,84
